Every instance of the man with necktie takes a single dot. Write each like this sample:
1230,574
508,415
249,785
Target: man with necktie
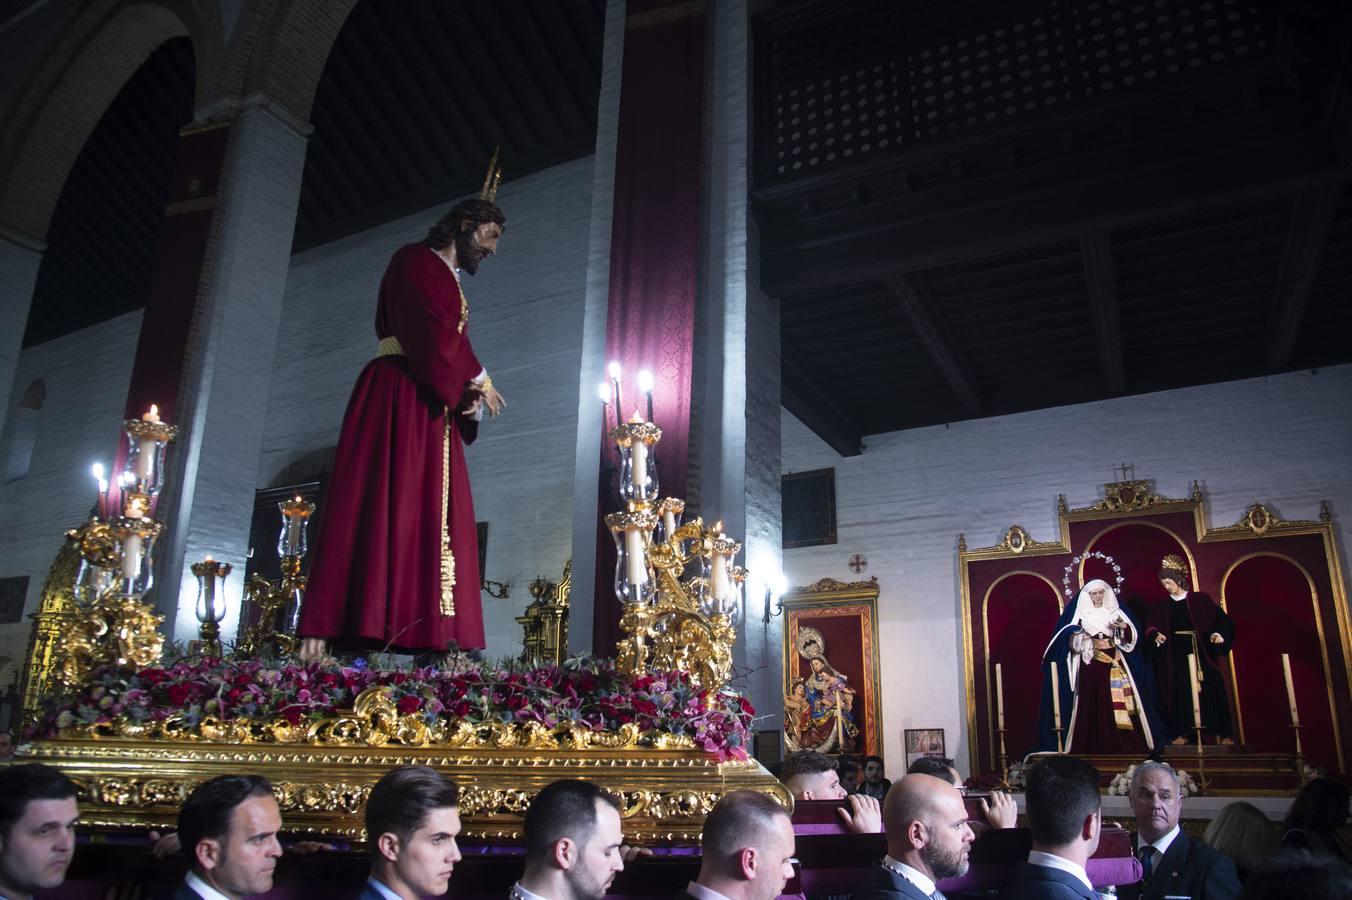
1174,864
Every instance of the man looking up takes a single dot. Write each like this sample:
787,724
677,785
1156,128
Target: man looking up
412,820
747,850
928,840
1064,815
812,776
1174,864
37,829
228,830
573,838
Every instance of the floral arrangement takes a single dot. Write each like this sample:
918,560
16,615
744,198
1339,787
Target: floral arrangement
1121,785
586,693
1097,554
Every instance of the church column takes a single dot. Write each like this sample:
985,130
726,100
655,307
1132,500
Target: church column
20,257
587,473
739,441
229,366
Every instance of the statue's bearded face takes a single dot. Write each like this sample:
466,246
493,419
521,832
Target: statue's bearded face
473,247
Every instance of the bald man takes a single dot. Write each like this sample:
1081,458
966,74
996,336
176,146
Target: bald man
928,840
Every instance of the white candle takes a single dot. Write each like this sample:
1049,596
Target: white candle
131,556
1000,697
293,522
719,587
151,415
633,552
1290,689
1056,702
1196,705
639,455
145,460
669,523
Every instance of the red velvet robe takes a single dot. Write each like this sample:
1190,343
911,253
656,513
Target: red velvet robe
375,580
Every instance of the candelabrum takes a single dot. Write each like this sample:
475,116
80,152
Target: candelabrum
681,592
278,603
211,577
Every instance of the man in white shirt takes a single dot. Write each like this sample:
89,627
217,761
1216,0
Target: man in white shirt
228,830
1174,864
37,829
1065,817
747,850
573,841
928,840
412,819
810,775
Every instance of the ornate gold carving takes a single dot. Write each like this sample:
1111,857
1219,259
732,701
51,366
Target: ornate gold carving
1258,521
545,622
1129,496
56,609
824,585
272,600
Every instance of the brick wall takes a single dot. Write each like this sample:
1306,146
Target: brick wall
1284,440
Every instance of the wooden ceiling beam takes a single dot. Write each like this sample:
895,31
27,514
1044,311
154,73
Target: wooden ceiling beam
371,128
1100,277
1307,232
803,396
485,74
915,304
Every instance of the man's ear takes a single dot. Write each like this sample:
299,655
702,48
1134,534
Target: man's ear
565,853
916,835
1093,823
748,860
388,845
207,853
806,795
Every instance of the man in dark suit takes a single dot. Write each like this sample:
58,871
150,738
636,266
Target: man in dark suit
1064,816
574,843
928,839
1174,864
412,819
747,850
228,830
38,813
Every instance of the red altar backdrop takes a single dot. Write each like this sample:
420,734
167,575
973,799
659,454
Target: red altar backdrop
1281,582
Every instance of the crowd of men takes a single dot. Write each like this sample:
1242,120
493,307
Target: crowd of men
228,830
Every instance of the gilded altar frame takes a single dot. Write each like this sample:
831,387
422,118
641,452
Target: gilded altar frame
858,601
1132,501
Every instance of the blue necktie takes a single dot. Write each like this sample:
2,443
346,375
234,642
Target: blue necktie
1147,855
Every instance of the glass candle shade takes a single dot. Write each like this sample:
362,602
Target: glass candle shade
143,472
296,514
92,582
135,542
211,577
632,532
736,601
722,551
638,473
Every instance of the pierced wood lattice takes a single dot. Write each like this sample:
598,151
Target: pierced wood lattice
880,78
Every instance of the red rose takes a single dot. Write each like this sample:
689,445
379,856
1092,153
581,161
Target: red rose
746,706
179,694
291,714
409,703
645,707
461,709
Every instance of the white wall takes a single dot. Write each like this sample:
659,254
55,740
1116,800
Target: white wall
86,375
1285,441
526,307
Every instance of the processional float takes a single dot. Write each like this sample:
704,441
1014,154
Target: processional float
659,726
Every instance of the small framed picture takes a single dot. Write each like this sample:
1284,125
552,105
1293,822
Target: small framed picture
922,742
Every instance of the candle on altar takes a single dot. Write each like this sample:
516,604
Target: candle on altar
102,482
1056,704
668,522
635,568
1196,703
1290,689
999,697
638,455
614,372
136,507
145,457
151,415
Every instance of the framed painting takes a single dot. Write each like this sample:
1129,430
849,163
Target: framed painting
922,742
832,695
808,508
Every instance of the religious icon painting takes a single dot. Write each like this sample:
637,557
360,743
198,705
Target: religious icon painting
922,742
832,699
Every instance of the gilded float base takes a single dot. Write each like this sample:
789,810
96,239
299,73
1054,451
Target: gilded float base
664,794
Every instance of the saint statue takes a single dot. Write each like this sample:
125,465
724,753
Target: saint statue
1107,695
819,710
396,562
1189,622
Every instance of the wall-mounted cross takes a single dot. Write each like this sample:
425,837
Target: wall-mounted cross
1122,471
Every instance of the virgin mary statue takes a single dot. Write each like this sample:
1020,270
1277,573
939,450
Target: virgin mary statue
1107,699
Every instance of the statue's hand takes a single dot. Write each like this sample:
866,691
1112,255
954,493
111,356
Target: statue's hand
1217,639
312,649
1159,640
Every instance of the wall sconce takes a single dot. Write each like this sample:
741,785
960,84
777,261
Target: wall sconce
775,589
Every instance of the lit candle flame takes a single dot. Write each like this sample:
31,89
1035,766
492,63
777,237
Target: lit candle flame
614,371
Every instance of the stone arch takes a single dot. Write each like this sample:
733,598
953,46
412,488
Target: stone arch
278,48
69,92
